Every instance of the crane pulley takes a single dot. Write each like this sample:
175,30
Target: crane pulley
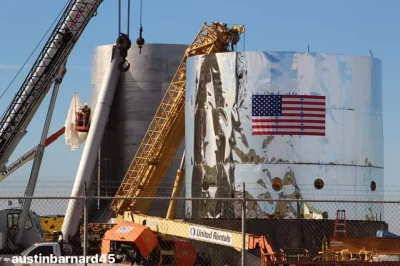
123,42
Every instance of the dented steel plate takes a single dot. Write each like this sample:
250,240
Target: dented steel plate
222,152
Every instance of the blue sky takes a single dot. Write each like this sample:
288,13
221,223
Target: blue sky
344,26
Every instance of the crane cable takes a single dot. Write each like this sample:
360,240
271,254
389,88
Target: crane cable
140,16
120,17
140,41
34,50
123,41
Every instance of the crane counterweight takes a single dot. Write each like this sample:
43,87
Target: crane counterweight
140,41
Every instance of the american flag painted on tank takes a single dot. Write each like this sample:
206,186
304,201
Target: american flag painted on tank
288,115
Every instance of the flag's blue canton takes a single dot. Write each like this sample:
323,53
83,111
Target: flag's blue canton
267,105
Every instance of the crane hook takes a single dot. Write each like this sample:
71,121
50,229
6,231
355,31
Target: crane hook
123,44
124,65
140,40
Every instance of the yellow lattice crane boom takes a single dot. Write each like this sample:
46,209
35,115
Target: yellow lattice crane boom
167,128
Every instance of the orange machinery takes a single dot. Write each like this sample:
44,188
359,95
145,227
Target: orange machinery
143,246
161,241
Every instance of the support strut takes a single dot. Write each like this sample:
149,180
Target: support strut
38,159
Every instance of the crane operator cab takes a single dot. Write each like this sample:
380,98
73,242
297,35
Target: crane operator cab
9,230
82,120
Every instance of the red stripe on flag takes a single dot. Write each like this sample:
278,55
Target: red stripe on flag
258,120
293,127
302,109
302,102
303,115
304,96
260,133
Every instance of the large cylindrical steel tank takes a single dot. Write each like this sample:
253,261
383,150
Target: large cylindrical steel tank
136,100
289,125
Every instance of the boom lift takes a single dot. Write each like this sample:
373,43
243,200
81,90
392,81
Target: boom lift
19,113
44,72
167,130
160,249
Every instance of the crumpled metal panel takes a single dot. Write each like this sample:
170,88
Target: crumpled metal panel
222,153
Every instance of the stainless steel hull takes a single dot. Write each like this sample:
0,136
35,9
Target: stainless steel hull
223,151
136,100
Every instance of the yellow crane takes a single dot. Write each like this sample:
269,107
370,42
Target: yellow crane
167,128
165,132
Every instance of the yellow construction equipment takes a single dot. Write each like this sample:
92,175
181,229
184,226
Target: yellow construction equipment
167,128
180,173
51,224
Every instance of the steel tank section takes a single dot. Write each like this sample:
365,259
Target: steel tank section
137,98
342,158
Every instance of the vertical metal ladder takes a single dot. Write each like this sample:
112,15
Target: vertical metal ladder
340,223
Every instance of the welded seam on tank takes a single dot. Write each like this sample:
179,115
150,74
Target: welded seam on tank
320,164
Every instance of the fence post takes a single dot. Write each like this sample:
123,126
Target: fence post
243,224
85,223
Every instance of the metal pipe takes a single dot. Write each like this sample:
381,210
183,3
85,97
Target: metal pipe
85,225
37,161
93,142
98,179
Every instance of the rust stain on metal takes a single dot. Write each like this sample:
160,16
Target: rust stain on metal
267,141
251,156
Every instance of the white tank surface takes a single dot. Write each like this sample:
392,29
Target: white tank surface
289,125
136,100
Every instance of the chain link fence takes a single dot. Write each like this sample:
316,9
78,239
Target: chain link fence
237,231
